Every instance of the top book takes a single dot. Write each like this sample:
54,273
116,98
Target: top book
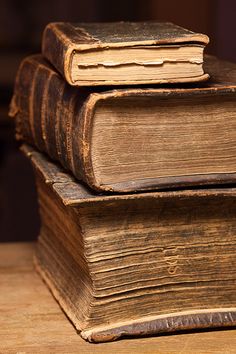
124,53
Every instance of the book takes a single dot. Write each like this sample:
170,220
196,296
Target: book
124,53
131,139
136,264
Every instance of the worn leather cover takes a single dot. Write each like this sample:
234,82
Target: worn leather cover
57,118
61,39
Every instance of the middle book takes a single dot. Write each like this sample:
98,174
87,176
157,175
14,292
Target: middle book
131,139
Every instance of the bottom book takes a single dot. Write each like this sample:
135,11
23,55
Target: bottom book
136,264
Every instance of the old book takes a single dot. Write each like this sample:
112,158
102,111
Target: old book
136,264
124,53
131,139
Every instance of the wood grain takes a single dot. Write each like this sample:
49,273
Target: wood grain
32,322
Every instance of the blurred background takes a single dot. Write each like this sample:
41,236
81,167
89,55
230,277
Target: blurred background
21,26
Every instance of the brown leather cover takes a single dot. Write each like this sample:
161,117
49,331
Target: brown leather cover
61,40
57,118
206,319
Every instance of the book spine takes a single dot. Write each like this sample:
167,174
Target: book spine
49,114
56,47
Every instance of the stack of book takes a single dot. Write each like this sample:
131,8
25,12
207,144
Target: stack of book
135,169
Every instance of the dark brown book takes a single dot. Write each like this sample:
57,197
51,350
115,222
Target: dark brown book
136,264
131,139
118,53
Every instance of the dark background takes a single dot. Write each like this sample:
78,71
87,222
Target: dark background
21,26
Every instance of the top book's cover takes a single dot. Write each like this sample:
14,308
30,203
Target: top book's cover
125,53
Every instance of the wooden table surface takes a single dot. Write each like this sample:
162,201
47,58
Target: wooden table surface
32,322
